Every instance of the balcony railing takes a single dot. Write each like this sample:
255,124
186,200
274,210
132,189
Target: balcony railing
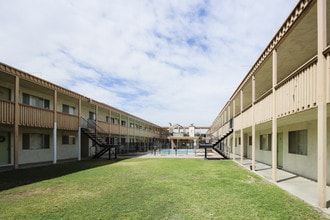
67,122
263,110
36,117
298,92
7,112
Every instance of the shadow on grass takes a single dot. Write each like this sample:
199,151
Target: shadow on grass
14,178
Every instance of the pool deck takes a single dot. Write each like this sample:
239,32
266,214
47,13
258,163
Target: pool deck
199,154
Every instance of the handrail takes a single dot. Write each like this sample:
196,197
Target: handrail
326,51
260,98
297,72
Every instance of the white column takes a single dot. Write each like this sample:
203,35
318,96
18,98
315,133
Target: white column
233,147
253,126
227,139
55,143
17,121
321,105
79,129
55,127
274,120
241,135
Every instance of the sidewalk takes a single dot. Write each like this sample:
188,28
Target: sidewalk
298,186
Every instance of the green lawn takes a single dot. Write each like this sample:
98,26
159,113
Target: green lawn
145,189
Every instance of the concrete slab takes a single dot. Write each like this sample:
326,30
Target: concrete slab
301,187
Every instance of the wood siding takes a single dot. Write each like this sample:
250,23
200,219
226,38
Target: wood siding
7,112
298,93
36,117
67,122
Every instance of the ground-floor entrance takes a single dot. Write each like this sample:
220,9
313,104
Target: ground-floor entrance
4,148
280,150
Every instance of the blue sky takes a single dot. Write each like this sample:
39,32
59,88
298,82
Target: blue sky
165,61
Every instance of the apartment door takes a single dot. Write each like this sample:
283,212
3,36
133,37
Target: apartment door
280,150
4,148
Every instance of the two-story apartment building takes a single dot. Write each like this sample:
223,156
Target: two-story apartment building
279,113
44,123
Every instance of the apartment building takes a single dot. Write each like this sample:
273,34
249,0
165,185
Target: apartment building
44,123
279,113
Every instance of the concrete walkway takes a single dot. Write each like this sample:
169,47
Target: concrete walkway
298,186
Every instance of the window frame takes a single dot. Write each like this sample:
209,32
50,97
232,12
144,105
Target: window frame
29,141
295,143
267,144
35,101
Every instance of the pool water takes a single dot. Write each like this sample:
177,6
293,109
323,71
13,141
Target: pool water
179,151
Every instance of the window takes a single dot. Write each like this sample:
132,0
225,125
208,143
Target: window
35,101
35,141
298,142
68,109
266,142
123,123
112,120
250,140
131,125
92,116
68,139
4,94
107,119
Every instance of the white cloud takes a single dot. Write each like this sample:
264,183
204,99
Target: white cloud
164,61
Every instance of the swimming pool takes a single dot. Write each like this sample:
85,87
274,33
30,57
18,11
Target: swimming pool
178,151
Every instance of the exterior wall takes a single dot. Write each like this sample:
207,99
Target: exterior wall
67,151
263,156
29,156
304,165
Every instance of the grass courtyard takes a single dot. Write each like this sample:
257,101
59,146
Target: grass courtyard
145,189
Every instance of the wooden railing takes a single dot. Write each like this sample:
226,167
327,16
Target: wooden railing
67,122
36,117
264,109
104,126
247,118
238,122
298,91
7,112
123,130
115,129
131,131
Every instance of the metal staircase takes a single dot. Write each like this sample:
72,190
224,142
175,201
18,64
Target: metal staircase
218,148
99,138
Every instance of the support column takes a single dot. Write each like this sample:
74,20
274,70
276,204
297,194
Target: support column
55,127
234,108
274,120
253,125
79,129
227,151
321,105
16,126
242,134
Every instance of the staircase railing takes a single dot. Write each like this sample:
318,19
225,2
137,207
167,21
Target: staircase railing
222,149
98,136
